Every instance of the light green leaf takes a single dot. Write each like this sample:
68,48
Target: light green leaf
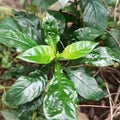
77,50
86,33
10,114
94,13
85,85
50,27
63,2
25,89
42,54
17,40
102,56
60,100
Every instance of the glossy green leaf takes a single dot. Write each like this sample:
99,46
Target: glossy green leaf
109,41
42,54
102,56
26,89
85,85
86,33
50,27
94,13
77,50
30,25
44,4
60,100
63,2
26,110
60,20
17,40
10,114
9,24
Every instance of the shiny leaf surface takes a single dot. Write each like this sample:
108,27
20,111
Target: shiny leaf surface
77,50
60,20
50,27
30,25
94,13
86,33
26,110
17,40
60,100
9,24
63,2
102,56
42,54
109,41
25,89
85,85
10,114
44,4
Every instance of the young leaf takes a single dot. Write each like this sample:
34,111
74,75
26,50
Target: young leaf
42,54
102,56
60,100
94,13
86,33
17,40
77,50
25,89
10,114
50,27
85,85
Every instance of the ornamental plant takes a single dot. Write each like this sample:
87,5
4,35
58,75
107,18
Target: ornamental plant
63,56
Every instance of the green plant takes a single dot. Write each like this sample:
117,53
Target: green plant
53,88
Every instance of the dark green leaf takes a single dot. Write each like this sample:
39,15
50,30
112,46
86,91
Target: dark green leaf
94,13
77,50
44,4
25,89
17,40
10,114
30,25
109,41
25,111
42,54
9,24
86,85
86,33
60,100
50,27
102,56
60,20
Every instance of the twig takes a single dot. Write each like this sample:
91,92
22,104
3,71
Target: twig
117,96
98,71
117,42
110,99
61,43
95,106
115,11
